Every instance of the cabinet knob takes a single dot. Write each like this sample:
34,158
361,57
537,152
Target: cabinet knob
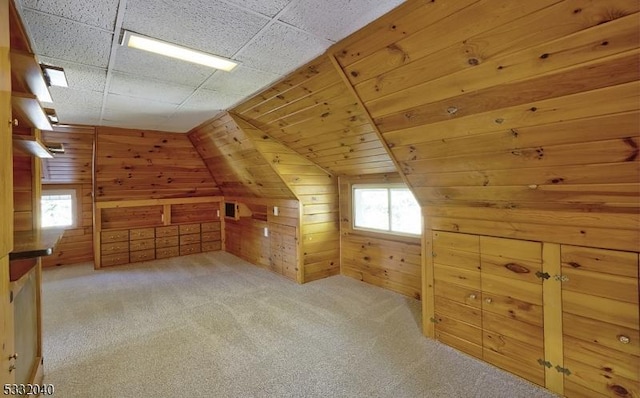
624,339
472,296
489,300
14,356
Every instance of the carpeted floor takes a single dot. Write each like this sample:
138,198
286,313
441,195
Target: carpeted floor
212,325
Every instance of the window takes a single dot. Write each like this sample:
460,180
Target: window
389,208
58,208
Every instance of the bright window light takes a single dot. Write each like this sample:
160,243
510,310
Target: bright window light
58,208
156,46
386,208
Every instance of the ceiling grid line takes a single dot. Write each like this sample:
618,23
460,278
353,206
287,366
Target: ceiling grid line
115,43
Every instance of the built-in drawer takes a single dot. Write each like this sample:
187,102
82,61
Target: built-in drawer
211,236
168,252
114,236
115,247
189,229
167,242
114,259
190,249
210,226
142,233
189,239
211,246
171,230
142,244
142,255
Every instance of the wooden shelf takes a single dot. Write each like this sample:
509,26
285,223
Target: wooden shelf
31,146
27,109
27,76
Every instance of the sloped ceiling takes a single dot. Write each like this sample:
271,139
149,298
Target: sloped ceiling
110,85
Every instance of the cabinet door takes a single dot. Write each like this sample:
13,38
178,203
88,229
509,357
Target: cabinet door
512,318
601,336
275,259
458,316
6,326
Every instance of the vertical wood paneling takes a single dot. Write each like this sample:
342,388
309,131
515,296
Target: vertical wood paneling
6,151
135,164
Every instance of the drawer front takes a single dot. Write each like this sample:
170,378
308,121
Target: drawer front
167,242
189,239
162,232
114,259
211,246
115,247
114,236
142,233
190,249
210,226
211,236
142,244
189,229
168,252
142,255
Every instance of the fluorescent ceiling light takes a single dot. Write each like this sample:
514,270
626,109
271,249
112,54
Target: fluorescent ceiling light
55,75
156,46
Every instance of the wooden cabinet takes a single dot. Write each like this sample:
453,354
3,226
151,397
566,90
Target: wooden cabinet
601,336
494,299
283,245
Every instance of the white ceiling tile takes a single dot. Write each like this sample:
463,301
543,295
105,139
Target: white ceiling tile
63,39
75,115
81,77
280,49
158,67
126,105
79,99
210,26
101,14
187,119
204,100
135,86
241,80
335,19
266,7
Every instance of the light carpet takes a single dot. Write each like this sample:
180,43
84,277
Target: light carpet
213,325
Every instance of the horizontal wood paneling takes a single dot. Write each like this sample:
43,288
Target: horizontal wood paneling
75,165
391,262
530,113
135,164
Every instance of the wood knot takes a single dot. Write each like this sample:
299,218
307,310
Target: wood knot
544,56
473,61
574,264
354,73
517,268
499,120
619,390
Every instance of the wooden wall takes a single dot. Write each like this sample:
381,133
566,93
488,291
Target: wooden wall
389,261
136,164
510,119
25,175
72,170
231,157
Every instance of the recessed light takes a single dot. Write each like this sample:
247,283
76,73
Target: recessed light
55,75
156,46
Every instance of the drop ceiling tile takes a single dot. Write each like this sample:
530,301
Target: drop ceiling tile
80,77
204,100
241,80
101,14
211,26
140,87
266,7
280,49
75,115
187,119
125,105
67,40
70,98
335,19
158,67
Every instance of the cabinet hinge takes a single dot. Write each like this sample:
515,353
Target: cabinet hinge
560,369
434,320
561,278
542,362
543,275
11,297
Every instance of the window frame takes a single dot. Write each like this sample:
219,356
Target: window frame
388,187
67,190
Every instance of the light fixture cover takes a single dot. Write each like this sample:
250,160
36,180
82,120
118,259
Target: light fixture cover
156,46
55,75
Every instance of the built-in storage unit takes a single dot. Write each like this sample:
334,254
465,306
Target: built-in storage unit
163,228
562,316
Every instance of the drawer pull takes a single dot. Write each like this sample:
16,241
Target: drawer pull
489,300
12,368
472,296
624,339
14,356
